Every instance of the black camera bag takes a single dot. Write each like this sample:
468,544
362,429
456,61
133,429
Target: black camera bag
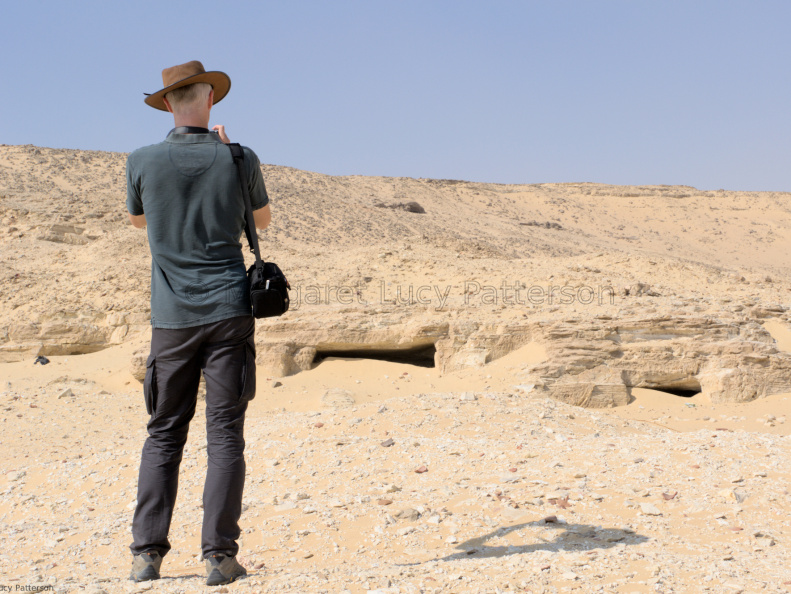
268,285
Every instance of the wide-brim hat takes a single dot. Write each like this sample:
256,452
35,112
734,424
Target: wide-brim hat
190,73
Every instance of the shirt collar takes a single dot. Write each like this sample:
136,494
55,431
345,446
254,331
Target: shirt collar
207,137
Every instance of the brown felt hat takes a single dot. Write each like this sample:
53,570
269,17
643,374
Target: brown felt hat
182,75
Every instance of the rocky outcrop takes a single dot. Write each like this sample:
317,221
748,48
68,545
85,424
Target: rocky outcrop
70,234
287,346
591,363
53,334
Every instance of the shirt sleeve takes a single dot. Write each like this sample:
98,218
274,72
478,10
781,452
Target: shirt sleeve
133,202
258,196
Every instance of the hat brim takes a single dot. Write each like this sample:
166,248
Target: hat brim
219,81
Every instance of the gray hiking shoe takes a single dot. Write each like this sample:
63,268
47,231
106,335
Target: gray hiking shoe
145,566
223,570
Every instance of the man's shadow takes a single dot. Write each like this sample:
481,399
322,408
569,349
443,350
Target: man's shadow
568,537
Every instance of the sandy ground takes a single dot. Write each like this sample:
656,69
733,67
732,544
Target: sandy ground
667,494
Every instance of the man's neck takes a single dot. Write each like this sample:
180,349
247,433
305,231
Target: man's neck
191,120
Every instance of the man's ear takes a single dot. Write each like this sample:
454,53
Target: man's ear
167,104
211,98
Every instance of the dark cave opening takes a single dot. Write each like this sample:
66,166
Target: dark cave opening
687,390
422,355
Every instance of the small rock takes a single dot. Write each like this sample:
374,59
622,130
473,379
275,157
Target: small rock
276,384
421,469
388,442
337,398
67,393
764,540
384,501
408,514
468,397
451,539
650,509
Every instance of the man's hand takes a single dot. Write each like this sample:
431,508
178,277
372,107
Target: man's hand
220,129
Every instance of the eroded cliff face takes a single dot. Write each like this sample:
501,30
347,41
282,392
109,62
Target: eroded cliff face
622,287
588,362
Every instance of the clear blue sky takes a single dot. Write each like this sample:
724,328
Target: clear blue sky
624,92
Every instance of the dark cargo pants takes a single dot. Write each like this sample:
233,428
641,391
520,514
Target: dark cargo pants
225,351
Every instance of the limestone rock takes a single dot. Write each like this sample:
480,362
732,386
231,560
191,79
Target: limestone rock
138,363
337,398
600,387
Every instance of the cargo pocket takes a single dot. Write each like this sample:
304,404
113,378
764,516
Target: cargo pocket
150,385
248,372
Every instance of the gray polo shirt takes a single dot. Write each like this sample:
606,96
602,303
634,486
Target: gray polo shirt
188,188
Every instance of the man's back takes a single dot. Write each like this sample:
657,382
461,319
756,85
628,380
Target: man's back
188,188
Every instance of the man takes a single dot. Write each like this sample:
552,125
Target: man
186,191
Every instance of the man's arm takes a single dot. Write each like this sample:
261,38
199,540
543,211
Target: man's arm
262,217
140,221
133,201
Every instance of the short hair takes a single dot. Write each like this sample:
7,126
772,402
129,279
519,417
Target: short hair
187,95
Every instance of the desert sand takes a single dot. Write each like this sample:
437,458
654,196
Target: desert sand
373,467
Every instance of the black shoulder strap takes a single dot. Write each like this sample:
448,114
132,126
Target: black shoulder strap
252,237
